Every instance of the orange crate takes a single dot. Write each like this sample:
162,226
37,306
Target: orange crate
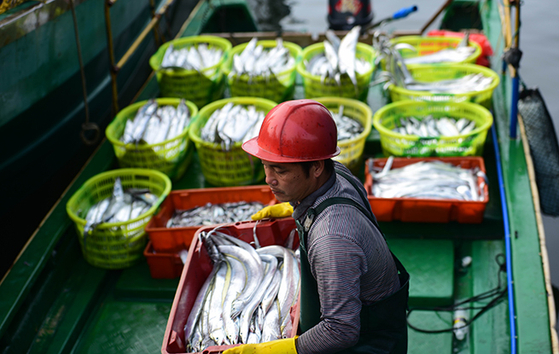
169,239
163,265
198,267
428,210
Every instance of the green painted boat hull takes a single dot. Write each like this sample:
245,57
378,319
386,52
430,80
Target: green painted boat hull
53,301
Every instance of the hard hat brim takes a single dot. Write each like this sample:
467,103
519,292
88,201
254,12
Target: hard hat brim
251,147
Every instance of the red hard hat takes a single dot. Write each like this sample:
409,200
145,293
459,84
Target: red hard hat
296,131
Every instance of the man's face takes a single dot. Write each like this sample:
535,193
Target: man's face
288,181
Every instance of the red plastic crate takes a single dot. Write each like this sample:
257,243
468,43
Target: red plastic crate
163,265
170,239
198,267
428,210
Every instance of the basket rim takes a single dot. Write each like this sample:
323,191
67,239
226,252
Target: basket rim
434,67
87,185
207,110
416,39
387,108
124,113
293,48
157,57
302,70
354,103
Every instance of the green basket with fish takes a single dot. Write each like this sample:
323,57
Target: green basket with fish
432,73
430,45
278,88
351,149
200,87
228,167
171,156
316,86
394,143
115,245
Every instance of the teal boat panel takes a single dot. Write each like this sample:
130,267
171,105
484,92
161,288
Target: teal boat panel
126,327
431,267
489,334
421,343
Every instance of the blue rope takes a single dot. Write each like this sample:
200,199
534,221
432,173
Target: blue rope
510,290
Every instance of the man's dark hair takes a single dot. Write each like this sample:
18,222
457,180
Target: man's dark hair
328,166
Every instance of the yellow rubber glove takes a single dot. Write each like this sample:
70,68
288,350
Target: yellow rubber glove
280,210
280,346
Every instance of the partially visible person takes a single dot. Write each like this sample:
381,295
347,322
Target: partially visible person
354,291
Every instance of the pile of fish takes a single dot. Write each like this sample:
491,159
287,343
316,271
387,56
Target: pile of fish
248,295
153,124
348,128
434,127
448,55
339,58
193,57
211,214
398,74
121,206
231,124
428,179
255,60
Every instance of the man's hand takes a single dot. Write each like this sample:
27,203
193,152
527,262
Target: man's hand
280,346
280,210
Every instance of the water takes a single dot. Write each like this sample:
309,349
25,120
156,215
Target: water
537,41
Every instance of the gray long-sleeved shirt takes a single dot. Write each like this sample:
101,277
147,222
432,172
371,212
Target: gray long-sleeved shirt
351,263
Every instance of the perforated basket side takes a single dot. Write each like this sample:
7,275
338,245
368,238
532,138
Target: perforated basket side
171,156
397,144
315,86
228,168
117,244
198,87
430,45
351,149
277,88
432,73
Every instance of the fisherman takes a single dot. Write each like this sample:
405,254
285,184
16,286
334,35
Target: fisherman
354,291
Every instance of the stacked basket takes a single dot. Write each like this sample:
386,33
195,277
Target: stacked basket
171,156
199,87
278,88
115,245
232,167
429,45
434,72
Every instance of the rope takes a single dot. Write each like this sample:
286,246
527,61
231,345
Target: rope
87,125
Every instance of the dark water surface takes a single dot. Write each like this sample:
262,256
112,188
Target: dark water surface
539,42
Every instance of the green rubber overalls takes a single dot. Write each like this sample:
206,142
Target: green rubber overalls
383,323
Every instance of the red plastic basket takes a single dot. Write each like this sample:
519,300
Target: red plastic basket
163,265
198,267
428,210
170,239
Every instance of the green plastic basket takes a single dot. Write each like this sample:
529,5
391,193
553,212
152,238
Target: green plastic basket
471,144
431,73
200,88
351,149
429,45
115,245
171,157
277,89
314,86
228,168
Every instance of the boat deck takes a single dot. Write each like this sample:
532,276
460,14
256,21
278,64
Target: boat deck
105,311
